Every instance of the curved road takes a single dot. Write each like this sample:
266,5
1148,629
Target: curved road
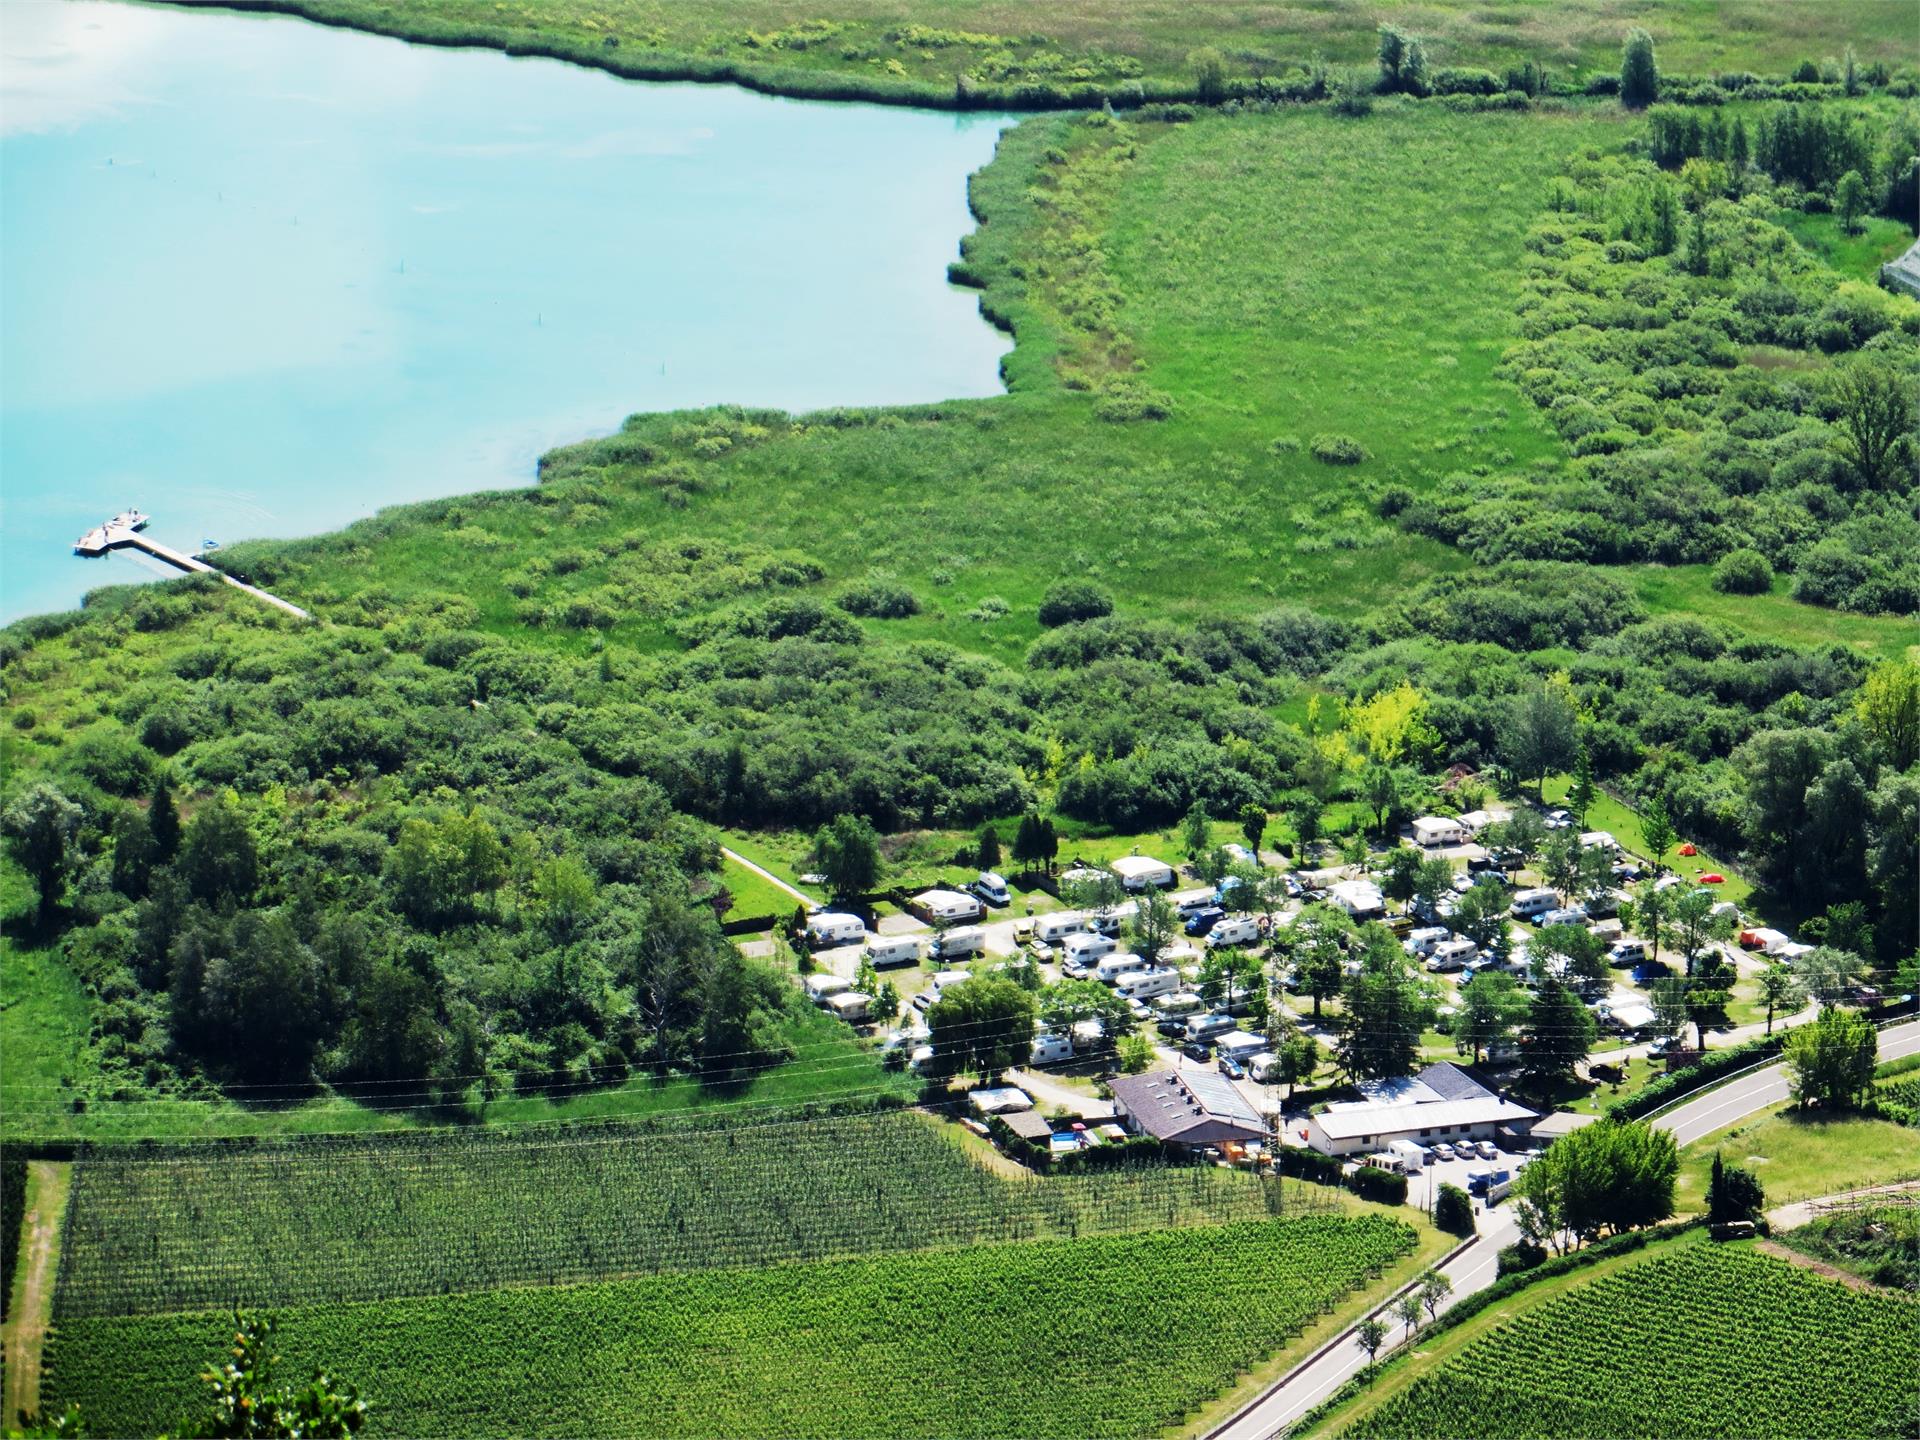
1475,1267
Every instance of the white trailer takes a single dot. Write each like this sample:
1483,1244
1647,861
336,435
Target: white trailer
851,1006
832,927
1051,929
1141,872
822,987
952,944
885,950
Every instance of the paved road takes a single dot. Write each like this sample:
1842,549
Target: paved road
1473,1269
1739,1098
1476,1267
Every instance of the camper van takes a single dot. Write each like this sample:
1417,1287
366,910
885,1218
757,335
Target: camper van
1452,954
1114,968
1264,1067
992,888
1422,940
1147,984
1088,950
1209,1026
830,927
1050,1050
967,940
821,987
1529,904
1052,929
1234,930
885,950
1627,953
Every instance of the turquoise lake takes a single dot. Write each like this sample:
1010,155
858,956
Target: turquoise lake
261,277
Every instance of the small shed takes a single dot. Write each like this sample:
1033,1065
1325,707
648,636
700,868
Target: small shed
1028,1126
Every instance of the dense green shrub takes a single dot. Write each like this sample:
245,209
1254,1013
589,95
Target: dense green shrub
1453,1211
1382,1186
878,600
1331,449
1743,572
1067,601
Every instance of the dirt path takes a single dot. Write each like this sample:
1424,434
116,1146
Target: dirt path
1819,1267
31,1310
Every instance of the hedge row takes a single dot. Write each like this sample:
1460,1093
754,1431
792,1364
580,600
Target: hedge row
1694,1077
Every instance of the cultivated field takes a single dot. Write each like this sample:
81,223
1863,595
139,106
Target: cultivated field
1118,1335
182,1228
1693,1341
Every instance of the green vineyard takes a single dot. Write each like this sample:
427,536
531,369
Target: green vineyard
1701,1341
1111,1336
299,1221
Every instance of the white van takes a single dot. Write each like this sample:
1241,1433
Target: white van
967,940
884,950
1145,984
1531,903
1050,1050
1234,930
1208,1027
1452,954
1088,949
1051,929
822,987
831,927
1627,952
1116,967
1179,1005
992,888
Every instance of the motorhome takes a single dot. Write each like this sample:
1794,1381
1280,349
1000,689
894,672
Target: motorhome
821,986
1234,930
1052,929
1422,940
1085,949
830,927
1209,1026
1452,954
1239,1045
885,950
952,944
1529,903
1146,984
1112,969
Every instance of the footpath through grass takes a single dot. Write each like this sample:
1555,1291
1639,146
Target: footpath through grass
1116,1335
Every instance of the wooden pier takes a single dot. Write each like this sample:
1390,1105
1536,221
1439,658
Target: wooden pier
117,534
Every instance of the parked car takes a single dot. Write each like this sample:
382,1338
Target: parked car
1232,1068
1295,890
1558,820
1444,1151
1648,971
1196,1049
1486,1150
1204,919
1173,1027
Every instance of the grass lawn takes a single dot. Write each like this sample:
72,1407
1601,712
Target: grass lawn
1621,822
753,895
1684,589
1800,1157
1860,256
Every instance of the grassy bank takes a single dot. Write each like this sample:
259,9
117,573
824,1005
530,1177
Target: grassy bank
912,52
1800,1156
